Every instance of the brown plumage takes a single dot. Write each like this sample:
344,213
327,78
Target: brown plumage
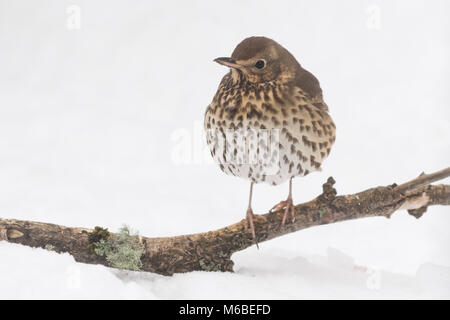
268,121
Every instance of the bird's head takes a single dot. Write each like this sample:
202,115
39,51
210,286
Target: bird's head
260,59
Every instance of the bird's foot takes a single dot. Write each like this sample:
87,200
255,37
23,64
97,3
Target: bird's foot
279,206
289,210
249,224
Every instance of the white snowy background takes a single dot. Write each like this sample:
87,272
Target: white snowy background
101,110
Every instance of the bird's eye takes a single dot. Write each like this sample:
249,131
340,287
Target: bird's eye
260,64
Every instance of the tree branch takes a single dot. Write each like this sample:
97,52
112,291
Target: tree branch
211,251
423,179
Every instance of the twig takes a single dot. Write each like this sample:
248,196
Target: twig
423,179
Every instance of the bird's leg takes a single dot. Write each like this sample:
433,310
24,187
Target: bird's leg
249,217
290,209
287,205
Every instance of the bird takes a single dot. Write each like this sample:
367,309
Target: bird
268,121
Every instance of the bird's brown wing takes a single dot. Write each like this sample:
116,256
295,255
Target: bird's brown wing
311,86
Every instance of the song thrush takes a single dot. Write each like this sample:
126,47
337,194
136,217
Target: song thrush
268,121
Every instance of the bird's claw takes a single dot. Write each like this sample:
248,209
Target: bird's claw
279,206
289,209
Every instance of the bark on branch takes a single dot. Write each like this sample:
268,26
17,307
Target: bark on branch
211,251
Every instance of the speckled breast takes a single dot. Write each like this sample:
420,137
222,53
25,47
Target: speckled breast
267,132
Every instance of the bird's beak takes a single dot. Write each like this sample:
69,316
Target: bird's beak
229,62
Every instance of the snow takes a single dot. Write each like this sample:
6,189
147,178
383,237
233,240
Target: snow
102,126
268,275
